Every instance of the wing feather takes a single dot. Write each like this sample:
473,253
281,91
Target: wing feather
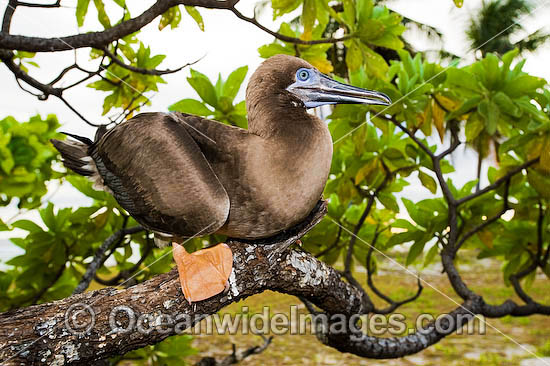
159,174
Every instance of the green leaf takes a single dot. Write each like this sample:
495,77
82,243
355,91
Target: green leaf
459,3
419,216
102,14
48,216
171,17
462,78
374,63
27,225
506,104
430,256
539,182
474,126
81,11
191,106
415,251
281,7
197,17
490,112
364,10
309,13
389,201
233,82
405,237
354,57
204,88
427,181
268,50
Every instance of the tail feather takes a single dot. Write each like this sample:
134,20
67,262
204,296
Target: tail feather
74,154
82,139
76,157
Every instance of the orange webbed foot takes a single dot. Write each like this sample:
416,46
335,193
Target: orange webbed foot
204,273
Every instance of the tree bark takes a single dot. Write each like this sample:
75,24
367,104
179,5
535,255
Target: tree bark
89,327
42,334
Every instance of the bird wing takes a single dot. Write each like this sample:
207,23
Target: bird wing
159,174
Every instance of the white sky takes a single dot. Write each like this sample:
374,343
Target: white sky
227,43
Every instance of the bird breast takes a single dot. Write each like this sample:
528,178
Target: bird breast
285,178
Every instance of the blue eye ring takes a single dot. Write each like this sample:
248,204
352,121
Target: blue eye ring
302,74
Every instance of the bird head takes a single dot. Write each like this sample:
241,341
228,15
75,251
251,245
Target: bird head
306,86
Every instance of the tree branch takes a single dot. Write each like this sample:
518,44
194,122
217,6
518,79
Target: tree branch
393,305
92,39
99,257
489,221
47,89
515,278
498,182
141,70
101,39
420,144
284,38
235,358
364,345
158,309
125,274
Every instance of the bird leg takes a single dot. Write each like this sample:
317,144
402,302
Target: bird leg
204,273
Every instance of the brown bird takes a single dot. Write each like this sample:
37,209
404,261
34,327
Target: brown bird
182,176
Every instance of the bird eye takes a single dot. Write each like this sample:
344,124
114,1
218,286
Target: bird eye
302,74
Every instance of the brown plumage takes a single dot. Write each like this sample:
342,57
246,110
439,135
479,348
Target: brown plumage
184,175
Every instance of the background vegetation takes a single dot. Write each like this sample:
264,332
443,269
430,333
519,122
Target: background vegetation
490,105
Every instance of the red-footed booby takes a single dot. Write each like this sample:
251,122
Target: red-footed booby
181,175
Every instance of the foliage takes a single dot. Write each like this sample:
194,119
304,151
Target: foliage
220,97
26,157
498,22
126,87
490,104
170,352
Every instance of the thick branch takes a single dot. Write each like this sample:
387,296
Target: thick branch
92,39
103,38
296,273
364,345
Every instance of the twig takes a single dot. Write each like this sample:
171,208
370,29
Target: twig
284,38
484,224
332,246
489,221
127,273
141,70
393,305
498,182
235,358
99,256
425,148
